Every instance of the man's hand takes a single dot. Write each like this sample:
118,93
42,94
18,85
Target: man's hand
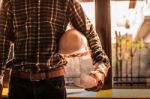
99,78
97,75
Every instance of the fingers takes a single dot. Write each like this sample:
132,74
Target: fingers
97,75
99,78
96,88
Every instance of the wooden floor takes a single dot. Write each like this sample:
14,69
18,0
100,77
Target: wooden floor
104,94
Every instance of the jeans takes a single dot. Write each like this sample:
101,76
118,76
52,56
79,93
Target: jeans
53,88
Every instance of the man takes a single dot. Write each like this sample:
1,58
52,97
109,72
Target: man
35,27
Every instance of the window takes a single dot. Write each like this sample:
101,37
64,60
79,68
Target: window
130,43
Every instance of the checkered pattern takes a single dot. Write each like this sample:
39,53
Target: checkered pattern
35,27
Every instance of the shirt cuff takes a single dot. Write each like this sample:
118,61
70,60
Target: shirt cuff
102,68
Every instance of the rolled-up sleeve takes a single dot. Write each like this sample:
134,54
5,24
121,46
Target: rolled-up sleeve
81,22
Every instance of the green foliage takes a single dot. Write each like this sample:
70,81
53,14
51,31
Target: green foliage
127,47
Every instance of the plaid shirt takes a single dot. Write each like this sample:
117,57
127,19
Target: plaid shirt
35,27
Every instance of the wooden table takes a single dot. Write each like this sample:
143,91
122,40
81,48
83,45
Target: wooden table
104,94
110,94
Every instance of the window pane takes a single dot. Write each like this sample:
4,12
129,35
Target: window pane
131,43
89,9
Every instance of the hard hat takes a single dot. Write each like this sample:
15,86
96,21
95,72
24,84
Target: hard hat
77,68
72,41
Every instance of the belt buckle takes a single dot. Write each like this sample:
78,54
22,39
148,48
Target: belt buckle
42,77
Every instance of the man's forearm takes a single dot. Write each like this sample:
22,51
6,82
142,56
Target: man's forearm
81,22
5,27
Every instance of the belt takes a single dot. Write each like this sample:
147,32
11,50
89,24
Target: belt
37,76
